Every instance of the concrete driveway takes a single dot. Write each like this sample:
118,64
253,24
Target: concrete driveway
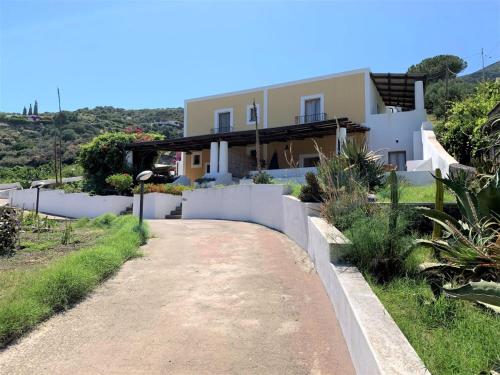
208,297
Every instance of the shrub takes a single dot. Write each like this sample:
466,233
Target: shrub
369,168
9,229
377,250
162,188
311,191
262,178
105,155
121,182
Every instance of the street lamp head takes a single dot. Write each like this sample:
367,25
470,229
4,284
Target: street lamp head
37,184
144,176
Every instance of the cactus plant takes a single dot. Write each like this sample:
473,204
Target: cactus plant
437,230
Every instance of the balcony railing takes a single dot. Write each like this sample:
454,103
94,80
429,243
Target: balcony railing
221,129
307,119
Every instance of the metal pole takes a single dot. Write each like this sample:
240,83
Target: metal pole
37,199
140,206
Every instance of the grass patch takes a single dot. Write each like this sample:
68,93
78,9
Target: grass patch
46,290
414,194
451,336
295,187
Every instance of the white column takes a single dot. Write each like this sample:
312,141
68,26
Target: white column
214,158
223,157
419,95
342,139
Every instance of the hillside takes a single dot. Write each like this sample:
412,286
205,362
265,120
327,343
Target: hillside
491,72
30,143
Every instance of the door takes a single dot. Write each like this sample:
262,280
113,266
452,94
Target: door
224,123
398,158
312,110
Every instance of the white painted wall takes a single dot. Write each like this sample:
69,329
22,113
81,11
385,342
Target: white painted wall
432,149
156,205
257,203
75,205
286,173
394,132
417,178
5,189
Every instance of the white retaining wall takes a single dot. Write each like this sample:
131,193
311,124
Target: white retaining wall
75,205
156,205
432,149
375,343
5,189
259,203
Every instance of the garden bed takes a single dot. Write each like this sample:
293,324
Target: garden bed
49,276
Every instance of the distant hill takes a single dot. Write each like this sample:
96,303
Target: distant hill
491,72
30,141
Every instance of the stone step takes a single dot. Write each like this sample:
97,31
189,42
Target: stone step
173,216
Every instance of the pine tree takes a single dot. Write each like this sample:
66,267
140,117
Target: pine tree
24,111
30,111
35,109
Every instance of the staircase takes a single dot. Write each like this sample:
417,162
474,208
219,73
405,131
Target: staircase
175,214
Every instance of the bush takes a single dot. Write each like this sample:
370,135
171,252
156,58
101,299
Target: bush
462,134
311,191
121,182
162,188
262,178
377,250
9,229
105,155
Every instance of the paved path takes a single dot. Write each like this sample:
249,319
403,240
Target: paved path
208,297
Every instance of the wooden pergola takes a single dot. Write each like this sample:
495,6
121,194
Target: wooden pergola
247,137
397,89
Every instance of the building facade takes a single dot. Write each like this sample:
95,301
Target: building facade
297,118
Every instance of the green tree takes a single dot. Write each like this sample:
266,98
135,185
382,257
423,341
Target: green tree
435,67
24,111
435,95
30,111
35,109
105,155
461,135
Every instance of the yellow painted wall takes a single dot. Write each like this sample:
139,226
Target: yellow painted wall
344,96
194,173
200,113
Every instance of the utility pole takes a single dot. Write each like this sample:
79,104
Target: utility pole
482,59
257,140
60,137
446,74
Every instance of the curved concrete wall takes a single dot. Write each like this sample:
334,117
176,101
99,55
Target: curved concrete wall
433,150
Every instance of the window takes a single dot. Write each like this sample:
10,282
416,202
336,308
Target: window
312,108
309,160
223,120
398,158
207,168
196,160
251,114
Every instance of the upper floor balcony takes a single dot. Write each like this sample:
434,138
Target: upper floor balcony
307,119
221,129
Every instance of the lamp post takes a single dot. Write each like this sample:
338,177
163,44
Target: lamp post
37,185
141,177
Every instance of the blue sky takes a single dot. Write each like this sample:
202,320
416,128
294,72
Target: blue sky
149,54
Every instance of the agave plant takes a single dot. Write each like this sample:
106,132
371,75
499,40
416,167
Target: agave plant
470,247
